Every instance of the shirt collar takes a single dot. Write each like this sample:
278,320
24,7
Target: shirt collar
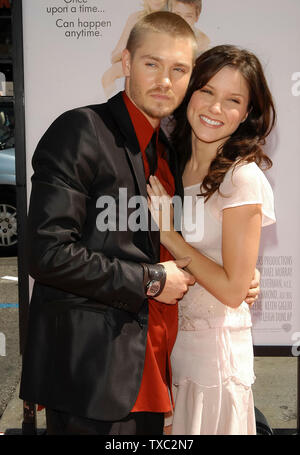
143,128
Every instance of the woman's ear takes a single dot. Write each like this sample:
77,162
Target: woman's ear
245,118
248,112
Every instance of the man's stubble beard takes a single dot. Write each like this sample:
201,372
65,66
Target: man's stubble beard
158,112
155,112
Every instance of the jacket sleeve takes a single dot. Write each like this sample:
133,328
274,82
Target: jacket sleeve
64,168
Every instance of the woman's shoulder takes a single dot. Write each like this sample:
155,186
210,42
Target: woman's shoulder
244,168
245,182
244,173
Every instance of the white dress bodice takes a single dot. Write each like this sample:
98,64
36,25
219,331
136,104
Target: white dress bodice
246,184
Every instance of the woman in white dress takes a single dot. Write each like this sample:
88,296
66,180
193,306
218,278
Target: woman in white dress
219,132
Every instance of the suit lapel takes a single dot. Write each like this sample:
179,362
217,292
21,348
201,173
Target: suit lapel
173,163
131,145
121,117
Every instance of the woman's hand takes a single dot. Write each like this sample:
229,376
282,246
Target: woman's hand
161,208
254,289
168,430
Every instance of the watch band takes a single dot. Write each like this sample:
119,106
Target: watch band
155,278
146,274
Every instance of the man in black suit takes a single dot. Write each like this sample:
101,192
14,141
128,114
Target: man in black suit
104,305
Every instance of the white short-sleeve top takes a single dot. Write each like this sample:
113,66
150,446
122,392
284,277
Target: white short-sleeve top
202,228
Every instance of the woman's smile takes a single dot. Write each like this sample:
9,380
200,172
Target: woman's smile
207,121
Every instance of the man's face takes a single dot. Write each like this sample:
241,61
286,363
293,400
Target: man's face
187,11
158,74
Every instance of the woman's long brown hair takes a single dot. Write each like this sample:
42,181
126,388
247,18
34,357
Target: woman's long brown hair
245,144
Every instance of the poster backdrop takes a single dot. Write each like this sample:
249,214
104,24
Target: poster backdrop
71,53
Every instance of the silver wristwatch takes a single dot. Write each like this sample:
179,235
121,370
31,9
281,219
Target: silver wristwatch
154,279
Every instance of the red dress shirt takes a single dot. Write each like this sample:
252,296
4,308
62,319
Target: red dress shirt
163,319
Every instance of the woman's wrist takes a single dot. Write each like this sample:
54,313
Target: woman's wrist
167,238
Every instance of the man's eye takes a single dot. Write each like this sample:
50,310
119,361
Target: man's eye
180,70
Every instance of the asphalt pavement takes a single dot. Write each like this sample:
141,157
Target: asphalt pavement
275,389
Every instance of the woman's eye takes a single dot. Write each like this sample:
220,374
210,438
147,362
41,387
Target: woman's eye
205,90
235,101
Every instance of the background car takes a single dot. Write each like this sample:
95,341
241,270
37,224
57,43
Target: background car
8,210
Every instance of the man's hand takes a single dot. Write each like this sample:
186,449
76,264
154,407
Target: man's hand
254,289
177,282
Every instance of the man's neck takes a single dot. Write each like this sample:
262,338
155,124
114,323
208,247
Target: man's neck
154,122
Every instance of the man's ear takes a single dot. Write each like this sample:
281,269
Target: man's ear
126,62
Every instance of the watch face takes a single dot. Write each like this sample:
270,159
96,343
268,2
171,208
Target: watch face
153,288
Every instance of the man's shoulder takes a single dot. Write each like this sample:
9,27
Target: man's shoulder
111,109
100,109
85,111
83,117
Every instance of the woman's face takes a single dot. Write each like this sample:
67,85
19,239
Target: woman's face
156,5
216,110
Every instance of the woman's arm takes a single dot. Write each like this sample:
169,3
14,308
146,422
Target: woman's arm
240,243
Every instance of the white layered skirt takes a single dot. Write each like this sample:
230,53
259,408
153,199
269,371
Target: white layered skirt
212,378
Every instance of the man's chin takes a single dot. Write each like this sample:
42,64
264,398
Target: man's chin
160,112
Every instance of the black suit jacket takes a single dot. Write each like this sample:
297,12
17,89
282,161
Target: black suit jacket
88,319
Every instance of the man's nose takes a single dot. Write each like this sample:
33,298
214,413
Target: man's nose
164,79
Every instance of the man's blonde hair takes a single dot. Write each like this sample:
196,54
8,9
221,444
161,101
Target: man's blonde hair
160,22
